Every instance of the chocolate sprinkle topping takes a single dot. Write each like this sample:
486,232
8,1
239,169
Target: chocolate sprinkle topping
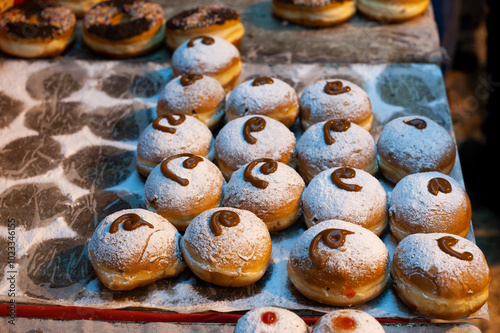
120,31
202,17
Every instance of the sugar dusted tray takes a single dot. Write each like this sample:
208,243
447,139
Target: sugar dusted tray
68,137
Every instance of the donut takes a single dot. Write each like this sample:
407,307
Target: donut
413,144
346,194
334,143
268,319
124,28
392,10
182,186
347,320
200,96
335,99
208,55
171,135
271,190
212,20
429,202
266,96
314,13
135,247
248,138
36,29
228,247
339,263
440,275
79,7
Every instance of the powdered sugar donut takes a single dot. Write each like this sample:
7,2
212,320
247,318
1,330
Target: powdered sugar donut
196,95
339,263
347,320
429,202
227,246
251,137
183,186
267,319
171,135
208,55
335,99
440,275
135,247
414,144
335,143
272,190
347,194
266,96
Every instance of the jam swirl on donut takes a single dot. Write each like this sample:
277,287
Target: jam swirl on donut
336,88
35,19
224,218
261,81
445,243
340,173
254,124
122,19
333,238
336,125
190,163
417,123
267,168
204,40
269,317
171,120
130,222
344,323
439,184
189,79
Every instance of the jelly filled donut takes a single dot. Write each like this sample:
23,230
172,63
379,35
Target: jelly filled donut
272,190
227,247
440,275
248,138
339,263
183,186
124,28
212,20
79,7
347,194
266,96
36,29
414,144
171,135
135,247
268,319
429,202
392,10
314,13
208,55
334,143
347,320
196,95
335,99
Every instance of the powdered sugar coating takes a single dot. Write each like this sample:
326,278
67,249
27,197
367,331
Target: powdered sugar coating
420,253
247,99
191,136
125,250
362,322
204,59
323,200
204,95
275,141
354,148
285,321
423,211
363,257
317,106
285,187
237,246
205,180
416,150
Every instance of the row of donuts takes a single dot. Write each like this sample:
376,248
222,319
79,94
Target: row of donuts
128,28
